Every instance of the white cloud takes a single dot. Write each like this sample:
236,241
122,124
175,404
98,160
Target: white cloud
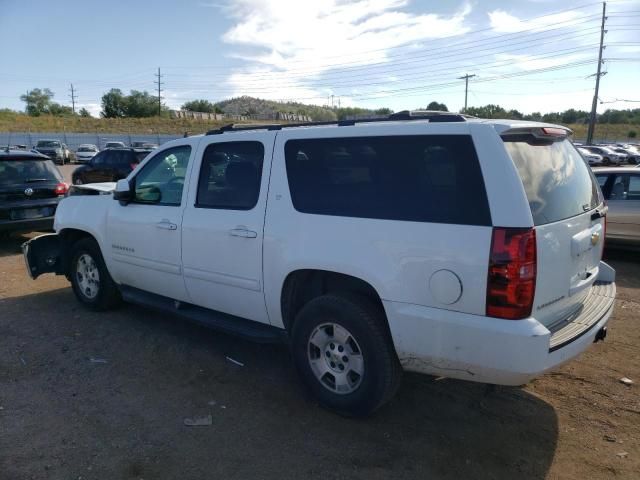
292,40
504,22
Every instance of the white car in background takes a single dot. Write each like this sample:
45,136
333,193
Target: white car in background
609,157
591,158
86,152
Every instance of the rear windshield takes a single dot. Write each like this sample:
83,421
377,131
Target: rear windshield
28,171
86,149
48,143
421,178
558,182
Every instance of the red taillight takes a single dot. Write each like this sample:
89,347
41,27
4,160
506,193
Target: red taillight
555,132
133,166
511,283
62,189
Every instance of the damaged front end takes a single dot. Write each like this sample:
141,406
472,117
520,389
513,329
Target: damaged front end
44,254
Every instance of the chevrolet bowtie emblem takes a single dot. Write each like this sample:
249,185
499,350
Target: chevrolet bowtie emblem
595,236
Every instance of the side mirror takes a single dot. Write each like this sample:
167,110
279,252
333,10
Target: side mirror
123,192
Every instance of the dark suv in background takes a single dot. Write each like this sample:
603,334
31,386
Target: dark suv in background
109,165
30,188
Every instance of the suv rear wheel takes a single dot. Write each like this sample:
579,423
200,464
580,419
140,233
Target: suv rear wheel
343,351
90,279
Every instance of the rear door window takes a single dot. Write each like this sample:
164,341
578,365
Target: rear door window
230,175
419,178
558,182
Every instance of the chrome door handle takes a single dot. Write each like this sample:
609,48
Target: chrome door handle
166,225
243,232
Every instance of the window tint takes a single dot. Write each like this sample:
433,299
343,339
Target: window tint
634,188
602,179
99,158
27,171
161,180
118,157
230,175
558,182
426,178
625,187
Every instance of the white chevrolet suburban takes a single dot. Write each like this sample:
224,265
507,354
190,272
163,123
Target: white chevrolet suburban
434,243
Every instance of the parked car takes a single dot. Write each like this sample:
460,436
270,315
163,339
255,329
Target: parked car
427,243
146,145
592,159
55,150
621,188
108,165
632,157
30,188
86,152
114,145
609,157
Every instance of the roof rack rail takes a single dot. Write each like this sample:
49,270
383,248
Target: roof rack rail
431,116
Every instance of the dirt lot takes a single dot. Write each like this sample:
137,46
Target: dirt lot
104,396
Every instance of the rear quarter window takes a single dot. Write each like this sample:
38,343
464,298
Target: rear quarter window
558,182
420,178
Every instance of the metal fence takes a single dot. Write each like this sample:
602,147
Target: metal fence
73,140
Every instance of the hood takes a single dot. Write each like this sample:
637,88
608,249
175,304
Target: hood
104,187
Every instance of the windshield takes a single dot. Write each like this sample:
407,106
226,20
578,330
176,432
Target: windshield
28,171
48,143
558,182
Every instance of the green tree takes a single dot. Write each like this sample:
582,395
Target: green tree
441,107
631,134
488,111
59,110
204,106
114,104
141,104
383,111
515,115
84,113
38,101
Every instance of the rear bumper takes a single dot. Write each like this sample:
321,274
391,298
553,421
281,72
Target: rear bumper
32,225
490,350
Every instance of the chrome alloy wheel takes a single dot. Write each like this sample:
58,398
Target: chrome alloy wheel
335,358
88,276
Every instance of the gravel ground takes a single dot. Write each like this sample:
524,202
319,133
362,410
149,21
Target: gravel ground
88,395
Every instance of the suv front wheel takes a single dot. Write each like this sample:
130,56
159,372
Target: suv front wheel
343,351
90,279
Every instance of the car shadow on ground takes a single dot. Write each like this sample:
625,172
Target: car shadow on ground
106,394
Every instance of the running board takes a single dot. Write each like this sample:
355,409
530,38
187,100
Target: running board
241,327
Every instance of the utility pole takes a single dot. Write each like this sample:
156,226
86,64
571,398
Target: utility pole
159,83
466,87
73,99
594,105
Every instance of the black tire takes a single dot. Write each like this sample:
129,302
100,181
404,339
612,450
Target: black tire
606,161
366,323
108,295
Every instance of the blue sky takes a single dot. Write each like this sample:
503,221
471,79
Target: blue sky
532,55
